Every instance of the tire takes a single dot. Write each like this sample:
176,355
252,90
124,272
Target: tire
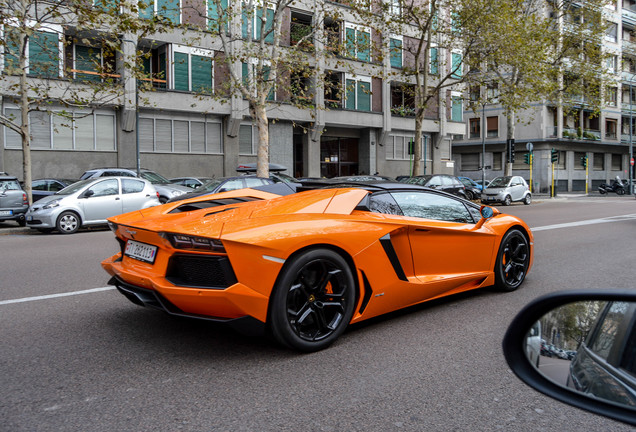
512,262
163,200
469,195
22,221
620,191
45,230
602,191
527,200
507,200
313,301
68,222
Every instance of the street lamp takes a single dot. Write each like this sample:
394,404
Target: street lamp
630,189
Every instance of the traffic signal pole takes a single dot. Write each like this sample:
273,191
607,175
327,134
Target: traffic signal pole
531,160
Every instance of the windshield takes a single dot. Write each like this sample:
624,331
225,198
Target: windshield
284,177
154,178
68,190
418,180
210,186
499,182
9,185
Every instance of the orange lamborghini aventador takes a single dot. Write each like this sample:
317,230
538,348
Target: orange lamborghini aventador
304,266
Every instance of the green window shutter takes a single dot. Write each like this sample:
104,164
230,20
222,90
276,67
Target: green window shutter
216,19
162,75
245,74
11,51
364,46
44,54
181,69
110,6
146,9
456,65
456,110
350,42
266,71
87,59
245,19
364,96
350,91
201,74
395,47
269,25
434,62
169,9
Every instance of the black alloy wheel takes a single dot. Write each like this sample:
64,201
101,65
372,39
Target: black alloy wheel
313,301
512,262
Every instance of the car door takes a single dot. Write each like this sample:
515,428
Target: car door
517,188
101,201
134,194
447,249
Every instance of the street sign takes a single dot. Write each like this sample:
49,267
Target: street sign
529,147
632,162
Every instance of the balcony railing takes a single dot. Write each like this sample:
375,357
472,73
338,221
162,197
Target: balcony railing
582,134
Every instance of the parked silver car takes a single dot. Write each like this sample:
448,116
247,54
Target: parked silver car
13,200
506,190
90,202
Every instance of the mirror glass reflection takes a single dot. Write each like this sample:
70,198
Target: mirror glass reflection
588,346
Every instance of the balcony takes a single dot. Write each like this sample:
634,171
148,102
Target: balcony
551,132
582,134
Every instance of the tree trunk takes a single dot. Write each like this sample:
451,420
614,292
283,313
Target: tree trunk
24,125
262,124
417,145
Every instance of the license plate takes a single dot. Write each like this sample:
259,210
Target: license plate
141,251
6,212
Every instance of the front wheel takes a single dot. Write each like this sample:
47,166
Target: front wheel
513,260
507,200
313,301
469,195
620,191
68,222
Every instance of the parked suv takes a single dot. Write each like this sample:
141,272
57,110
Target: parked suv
13,200
165,189
506,190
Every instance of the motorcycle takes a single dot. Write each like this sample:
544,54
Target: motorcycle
617,186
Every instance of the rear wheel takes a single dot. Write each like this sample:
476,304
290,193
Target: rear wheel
527,200
507,200
313,301
620,191
68,222
513,260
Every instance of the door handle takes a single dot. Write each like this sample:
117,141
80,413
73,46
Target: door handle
422,230
117,199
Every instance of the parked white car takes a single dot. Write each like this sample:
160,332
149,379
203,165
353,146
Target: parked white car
90,202
506,190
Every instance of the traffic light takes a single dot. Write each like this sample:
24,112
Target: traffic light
584,161
526,158
511,148
554,155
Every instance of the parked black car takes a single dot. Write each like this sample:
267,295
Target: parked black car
444,182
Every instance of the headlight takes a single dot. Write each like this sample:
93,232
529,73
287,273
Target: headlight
52,204
175,193
182,241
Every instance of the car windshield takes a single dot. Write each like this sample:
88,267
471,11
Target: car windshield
154,178
210,186
68,190
499,182
284,177
418,180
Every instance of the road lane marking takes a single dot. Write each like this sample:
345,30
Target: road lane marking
50,296
586,222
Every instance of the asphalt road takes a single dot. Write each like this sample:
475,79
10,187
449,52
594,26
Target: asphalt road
93,361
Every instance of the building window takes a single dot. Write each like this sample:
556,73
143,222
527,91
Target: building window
457,109
247,70
599,161
402,99
358,42
395,8
395,48
333,90
75,130
247,140
399,147
497,161
492,127
357,93
456,65
610,128
617,162
470,161
217,15
611,33
612,96
434,61
254,19
168,9
612,63
43,53
578,157
193,69
170,135
475,127
300,30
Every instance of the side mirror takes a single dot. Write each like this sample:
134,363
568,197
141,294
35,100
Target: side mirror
593,366
486,213
89,193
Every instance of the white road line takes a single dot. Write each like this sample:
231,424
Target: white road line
44,297
585,222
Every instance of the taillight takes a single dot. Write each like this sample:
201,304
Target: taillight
158,195
25,201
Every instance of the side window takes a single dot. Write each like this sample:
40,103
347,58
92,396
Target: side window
129,186
55,186
608,329
254,182
232,185
105,188
435,181
432,206
39,185
385,204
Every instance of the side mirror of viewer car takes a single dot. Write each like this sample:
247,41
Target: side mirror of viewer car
486,213
586,353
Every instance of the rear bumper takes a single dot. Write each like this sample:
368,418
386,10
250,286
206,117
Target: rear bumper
153,299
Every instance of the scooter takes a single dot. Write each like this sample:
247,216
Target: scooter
616,186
